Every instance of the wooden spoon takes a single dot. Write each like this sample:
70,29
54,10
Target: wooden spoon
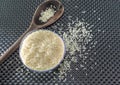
36,24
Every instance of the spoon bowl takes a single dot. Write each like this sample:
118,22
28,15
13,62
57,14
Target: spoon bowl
59,8
36,24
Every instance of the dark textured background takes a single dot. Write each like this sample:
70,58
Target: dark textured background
16,15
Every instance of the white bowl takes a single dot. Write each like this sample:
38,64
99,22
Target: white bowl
51,67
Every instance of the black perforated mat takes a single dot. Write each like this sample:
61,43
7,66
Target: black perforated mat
103,63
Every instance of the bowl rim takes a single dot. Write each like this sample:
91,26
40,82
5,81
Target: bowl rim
48,70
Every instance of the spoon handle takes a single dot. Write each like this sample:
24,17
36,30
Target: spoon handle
12,48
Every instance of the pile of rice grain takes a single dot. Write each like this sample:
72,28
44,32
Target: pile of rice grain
76,38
